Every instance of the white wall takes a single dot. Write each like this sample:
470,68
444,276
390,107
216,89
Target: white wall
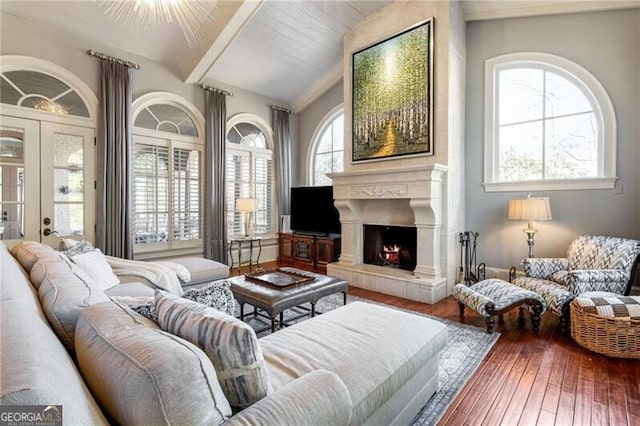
607,44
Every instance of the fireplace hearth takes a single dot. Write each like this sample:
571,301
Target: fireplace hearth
390,246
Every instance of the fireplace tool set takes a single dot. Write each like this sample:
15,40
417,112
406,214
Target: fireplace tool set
470,272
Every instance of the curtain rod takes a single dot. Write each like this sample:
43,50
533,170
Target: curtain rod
112,59
276,107
214,89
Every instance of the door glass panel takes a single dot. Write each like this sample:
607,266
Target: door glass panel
11,183
69,219
68,184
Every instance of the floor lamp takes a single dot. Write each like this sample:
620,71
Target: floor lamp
247,206
530,209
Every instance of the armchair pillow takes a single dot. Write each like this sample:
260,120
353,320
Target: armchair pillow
231,345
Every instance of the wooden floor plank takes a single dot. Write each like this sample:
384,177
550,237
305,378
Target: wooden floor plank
584,394
567,375
521,394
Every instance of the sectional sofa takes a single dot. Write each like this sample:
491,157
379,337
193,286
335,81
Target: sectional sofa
67,343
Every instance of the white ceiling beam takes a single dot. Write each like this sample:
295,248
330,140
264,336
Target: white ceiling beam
234,25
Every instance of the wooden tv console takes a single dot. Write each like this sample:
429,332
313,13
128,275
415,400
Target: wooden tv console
309,252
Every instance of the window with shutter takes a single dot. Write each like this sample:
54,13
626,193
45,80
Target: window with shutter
249,175
167,177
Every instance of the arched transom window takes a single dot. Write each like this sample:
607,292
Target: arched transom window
37,90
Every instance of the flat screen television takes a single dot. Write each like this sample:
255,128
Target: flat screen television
312,210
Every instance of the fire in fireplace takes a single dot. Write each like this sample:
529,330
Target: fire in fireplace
391,246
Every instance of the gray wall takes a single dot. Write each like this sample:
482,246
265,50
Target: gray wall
607,44
308,120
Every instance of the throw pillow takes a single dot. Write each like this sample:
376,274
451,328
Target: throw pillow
216,295
231,345
142,375
95,264
79,247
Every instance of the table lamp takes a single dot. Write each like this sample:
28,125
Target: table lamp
247,206
530,209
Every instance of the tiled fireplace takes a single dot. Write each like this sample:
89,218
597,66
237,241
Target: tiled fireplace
407,198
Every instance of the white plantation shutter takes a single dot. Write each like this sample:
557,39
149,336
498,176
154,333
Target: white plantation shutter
238,185
151,193
262,172
186,194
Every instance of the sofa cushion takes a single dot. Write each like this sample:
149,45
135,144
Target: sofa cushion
203,270
36,368
65,291
395,345
557,296
28,252
95,264
142,375
231,345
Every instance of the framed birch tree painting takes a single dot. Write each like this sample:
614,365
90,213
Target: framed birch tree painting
392,96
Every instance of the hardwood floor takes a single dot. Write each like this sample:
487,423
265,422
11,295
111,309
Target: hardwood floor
536,379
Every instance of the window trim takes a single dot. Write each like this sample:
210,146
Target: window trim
315,139
595,94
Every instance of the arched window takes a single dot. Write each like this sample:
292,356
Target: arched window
327,148
549,124
167,173
250,173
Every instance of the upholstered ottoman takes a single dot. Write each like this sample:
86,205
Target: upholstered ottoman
495,297
607,323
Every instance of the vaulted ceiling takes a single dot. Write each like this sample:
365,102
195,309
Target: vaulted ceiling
285,49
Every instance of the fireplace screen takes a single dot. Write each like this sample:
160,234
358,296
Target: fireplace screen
391,246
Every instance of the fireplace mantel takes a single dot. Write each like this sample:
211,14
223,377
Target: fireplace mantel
410,196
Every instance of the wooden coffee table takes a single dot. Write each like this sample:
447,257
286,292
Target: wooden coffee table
274,301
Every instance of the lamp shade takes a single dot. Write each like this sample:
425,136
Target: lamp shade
530,209
246,204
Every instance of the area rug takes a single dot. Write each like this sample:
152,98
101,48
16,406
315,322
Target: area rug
467,347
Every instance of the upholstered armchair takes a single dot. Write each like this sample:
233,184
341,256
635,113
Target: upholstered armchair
593,263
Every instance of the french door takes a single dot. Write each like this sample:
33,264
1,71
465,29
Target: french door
47,181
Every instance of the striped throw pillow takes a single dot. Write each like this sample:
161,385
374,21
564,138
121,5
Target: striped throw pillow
230,344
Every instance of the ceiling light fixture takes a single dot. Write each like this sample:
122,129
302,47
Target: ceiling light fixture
191,15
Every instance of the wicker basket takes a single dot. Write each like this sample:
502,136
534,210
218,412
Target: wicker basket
608,336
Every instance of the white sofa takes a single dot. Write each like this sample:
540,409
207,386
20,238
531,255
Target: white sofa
358,364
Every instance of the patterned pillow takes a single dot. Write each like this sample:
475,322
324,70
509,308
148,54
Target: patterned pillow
216,295
148,310
230,344
72,250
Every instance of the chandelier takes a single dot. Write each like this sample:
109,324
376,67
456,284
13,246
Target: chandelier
191,15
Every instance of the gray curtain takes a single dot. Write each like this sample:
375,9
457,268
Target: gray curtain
282,141
215,152
114,154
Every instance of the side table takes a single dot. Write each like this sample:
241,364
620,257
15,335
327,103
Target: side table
243,243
